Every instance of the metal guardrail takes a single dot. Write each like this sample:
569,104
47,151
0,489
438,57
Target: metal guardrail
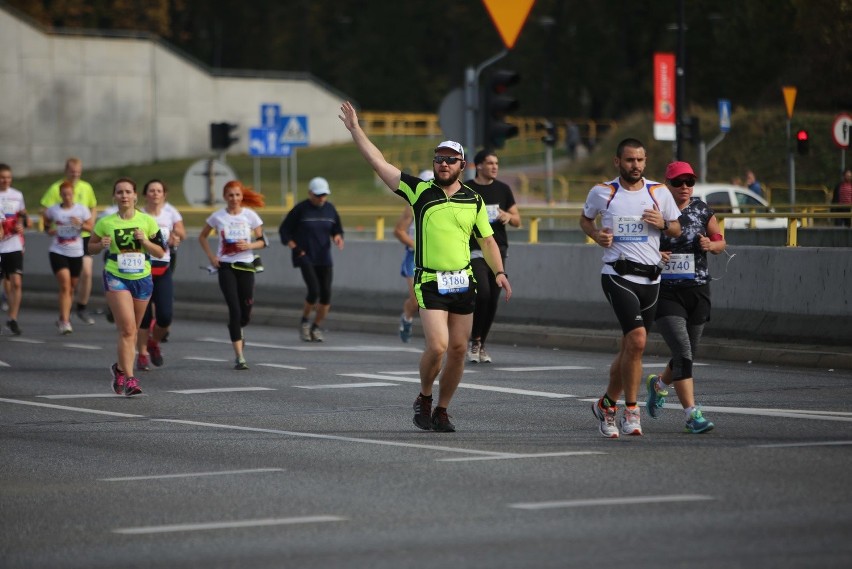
380,217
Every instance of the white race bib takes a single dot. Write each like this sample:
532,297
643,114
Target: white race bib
452,281
680,266
9,207
629,228
493,211
237,231
131,262
67,231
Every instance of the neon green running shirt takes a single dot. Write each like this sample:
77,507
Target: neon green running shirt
443,225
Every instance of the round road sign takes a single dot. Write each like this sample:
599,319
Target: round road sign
204,181
841,130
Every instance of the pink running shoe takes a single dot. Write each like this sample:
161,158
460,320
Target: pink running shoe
118,379
131,387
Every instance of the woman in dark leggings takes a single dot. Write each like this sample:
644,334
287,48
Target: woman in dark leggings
240,231
683,306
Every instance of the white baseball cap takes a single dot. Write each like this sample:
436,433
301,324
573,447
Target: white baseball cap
452,145
319,186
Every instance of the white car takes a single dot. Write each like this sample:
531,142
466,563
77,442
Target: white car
727,198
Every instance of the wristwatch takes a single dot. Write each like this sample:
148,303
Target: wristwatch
498,273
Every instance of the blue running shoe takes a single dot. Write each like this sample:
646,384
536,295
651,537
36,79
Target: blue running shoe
697,424
405,327
656,399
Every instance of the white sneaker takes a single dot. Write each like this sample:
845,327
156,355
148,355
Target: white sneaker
305,332
606,415
473,352
631,422
484,358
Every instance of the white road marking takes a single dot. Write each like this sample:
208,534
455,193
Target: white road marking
609,502
26,340
517,456
814,444
319,347
201,359
282,366
63,407
191,474
220,390
4,364
465,385
345,385
333,437
541,368
83,346
85,396
783,413
228,525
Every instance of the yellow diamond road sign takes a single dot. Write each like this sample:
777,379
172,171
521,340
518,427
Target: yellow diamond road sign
509,17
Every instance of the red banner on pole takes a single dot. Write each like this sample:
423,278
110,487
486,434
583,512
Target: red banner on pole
664,97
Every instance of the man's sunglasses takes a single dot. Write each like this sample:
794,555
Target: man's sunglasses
689,182
447,159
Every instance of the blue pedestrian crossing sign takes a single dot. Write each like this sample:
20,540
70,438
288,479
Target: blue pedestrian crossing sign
293,130
724,115
266,142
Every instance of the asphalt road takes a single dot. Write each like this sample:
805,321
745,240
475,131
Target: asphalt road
310,460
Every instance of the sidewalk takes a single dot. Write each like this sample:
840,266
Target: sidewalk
553,337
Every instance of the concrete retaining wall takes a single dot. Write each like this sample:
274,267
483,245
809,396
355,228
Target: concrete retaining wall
762,293
128,100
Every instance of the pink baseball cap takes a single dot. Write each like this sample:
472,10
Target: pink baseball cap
678,169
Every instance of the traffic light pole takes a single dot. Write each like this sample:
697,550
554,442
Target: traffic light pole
471,98
791,162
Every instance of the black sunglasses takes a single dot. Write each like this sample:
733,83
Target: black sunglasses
447,159
689,182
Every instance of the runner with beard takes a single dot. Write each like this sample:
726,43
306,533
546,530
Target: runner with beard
446,214
634,213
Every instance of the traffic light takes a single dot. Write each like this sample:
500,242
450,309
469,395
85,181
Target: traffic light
498,103
802,142
690,130
220,135
550,135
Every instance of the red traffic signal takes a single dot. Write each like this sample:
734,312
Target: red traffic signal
498,102
802,141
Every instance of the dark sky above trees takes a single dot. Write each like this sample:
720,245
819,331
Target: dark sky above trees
577,58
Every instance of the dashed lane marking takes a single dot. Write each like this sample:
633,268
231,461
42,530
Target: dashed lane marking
509,456
228,525
466,386
348,385
219,390
610,502
320,347
65,408
282,366
191,474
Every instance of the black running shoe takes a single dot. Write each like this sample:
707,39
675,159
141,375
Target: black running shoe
13,326
441,421
423,412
